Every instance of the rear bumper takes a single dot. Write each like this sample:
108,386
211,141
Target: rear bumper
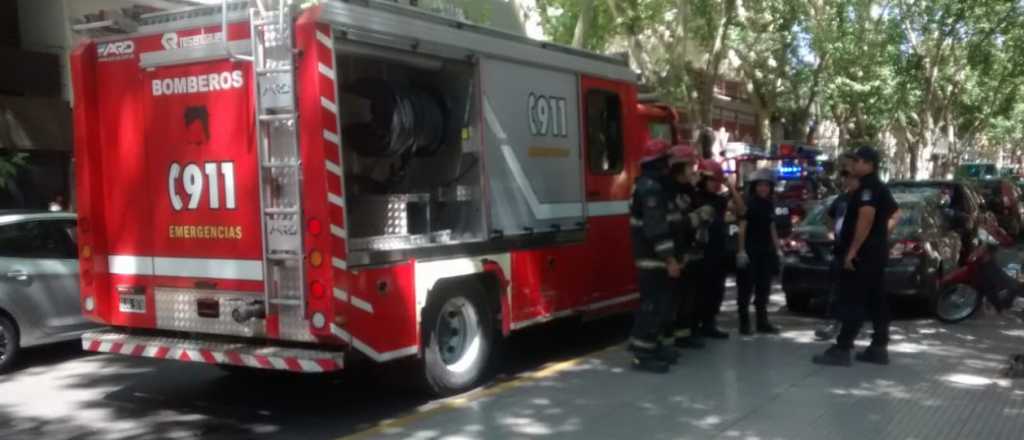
209,351
903,279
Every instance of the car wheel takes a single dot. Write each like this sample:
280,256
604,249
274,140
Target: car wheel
458,334
956,303
798,303
9,345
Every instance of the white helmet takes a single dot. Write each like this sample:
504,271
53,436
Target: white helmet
762,175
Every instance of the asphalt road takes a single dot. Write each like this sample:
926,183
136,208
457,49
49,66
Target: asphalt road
59,392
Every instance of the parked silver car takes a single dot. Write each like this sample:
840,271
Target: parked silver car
38,282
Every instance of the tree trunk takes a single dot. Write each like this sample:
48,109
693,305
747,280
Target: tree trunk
583,26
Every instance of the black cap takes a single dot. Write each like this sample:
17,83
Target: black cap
868,154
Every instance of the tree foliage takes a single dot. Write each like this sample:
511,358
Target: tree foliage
908,75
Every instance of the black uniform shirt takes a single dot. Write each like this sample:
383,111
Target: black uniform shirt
717,230
837,212
875,194
760,218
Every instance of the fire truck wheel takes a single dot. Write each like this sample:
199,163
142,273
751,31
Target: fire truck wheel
8,343
458,336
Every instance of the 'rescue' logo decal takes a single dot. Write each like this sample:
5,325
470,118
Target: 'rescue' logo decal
184,85
172,41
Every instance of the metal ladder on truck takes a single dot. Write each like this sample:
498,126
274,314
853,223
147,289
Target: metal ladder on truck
280,176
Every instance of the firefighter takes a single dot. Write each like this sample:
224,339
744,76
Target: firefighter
656,262
757,258
865,240
691,218
717,260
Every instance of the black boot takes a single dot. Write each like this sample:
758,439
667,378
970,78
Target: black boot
874,355
668,354
763,326
690,342
834,357
710,330
745,322
649,363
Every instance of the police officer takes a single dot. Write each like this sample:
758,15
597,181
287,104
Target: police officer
757,259
835,214
865,239
656,262
690,218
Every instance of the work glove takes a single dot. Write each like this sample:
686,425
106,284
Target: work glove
702,215
742,260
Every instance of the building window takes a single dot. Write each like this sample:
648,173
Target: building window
604,132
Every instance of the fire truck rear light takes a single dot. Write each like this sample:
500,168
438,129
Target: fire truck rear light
87,277
317,289
89,303
315,227
316,258
319,320
86,252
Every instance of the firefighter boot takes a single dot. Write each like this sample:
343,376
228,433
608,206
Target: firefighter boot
667,354
686,339
874,355
745,322
763,326
710,330
647,361
834,357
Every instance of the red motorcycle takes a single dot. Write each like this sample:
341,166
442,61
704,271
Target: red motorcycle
992,272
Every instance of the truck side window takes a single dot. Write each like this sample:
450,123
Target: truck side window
604,132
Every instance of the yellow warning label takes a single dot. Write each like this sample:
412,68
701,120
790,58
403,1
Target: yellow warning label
205,232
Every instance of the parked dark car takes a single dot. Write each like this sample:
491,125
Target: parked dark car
795,198
1002,197
923,247
960,199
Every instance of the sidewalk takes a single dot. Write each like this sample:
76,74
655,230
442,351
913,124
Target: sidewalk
943,383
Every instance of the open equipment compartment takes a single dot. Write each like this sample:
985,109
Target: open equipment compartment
411,154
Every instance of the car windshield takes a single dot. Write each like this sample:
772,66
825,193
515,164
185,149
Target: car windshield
910,215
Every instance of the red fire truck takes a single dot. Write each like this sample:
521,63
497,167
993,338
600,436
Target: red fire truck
282,188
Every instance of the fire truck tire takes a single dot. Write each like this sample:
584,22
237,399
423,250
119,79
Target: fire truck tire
9,346
458,337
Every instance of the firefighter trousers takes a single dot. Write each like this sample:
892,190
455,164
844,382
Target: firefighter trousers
650,318
684,297
862,296
711,292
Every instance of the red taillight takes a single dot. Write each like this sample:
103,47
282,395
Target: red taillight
906,248
315,227
317,289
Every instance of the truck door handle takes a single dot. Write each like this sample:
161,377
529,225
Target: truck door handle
19,275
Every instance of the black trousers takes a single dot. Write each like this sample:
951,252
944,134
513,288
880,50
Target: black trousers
683,299
755,279
655,308
862,296
710,292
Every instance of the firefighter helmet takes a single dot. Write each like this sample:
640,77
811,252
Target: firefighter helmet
762,175
654,149
682,154
712,170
